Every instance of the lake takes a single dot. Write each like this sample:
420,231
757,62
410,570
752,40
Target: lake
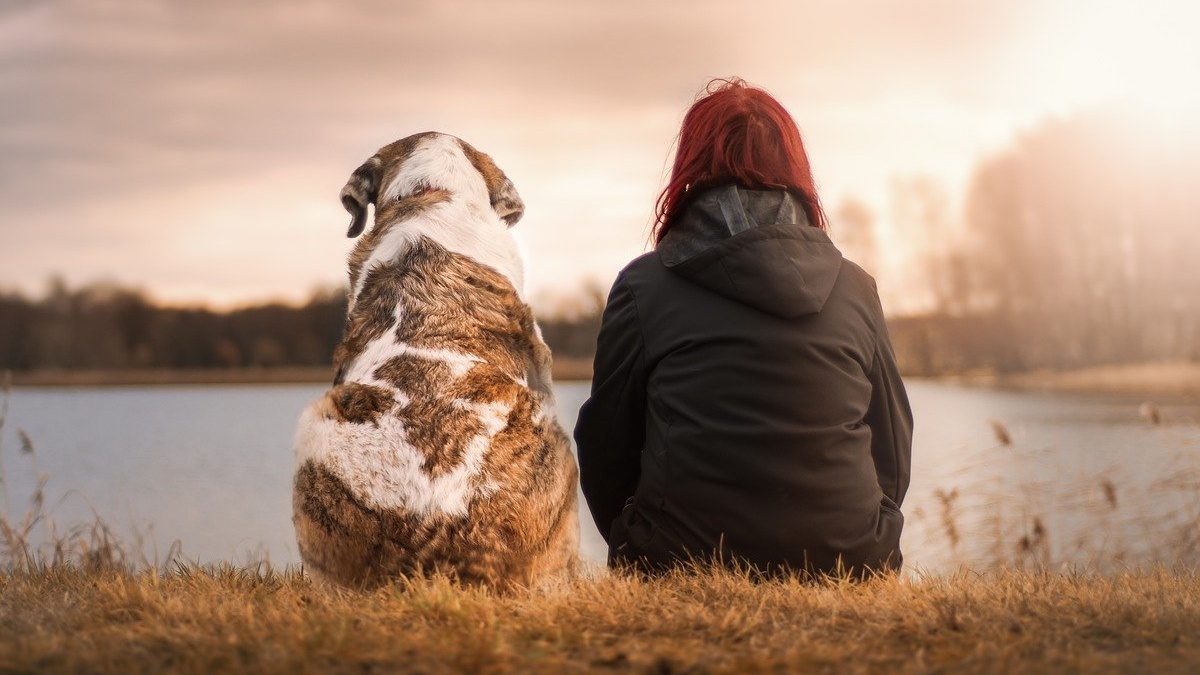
1083,480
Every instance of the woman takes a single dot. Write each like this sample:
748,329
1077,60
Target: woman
746,405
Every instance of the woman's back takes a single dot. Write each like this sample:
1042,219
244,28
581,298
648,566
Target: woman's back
754,350
745,401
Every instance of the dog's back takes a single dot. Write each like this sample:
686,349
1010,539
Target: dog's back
437,449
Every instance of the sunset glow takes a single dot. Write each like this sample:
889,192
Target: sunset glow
197,152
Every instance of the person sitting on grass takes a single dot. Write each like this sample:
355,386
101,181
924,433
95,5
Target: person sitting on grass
745,406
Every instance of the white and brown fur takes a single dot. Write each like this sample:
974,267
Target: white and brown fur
437,449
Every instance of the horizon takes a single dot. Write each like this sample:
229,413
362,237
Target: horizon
196,152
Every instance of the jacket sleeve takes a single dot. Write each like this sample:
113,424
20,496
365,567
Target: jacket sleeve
611,428
890,419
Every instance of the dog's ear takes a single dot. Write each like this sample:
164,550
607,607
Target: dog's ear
505,201
360,191
501,192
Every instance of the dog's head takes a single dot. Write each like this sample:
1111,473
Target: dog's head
424,169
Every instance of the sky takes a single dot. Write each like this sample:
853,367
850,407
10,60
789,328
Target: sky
196,150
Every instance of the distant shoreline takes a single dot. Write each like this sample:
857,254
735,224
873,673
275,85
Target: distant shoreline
1172,380
121,377
565,370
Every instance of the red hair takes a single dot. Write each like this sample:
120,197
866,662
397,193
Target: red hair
735,133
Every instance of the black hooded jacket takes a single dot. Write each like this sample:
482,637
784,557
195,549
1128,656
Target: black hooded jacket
745,402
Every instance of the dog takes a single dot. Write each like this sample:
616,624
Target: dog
437,449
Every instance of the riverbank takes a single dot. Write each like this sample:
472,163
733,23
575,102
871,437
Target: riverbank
1172,381
1168,381
246,621
565,370
120,377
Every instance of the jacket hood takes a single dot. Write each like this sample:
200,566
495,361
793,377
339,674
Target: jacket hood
753,246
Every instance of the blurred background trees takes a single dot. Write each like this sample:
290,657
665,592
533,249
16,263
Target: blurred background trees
1079,245
103,326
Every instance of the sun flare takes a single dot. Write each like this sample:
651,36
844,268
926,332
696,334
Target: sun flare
1141,55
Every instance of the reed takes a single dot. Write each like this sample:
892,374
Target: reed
31,540
1103,521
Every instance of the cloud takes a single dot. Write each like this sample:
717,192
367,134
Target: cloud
129,127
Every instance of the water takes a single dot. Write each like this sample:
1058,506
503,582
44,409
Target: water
211,467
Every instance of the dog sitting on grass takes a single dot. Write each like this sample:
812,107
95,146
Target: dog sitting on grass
437,449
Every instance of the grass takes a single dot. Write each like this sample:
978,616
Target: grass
81,600
61,619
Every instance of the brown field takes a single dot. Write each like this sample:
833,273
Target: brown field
64,620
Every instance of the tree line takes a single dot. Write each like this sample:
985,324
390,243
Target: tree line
1078,245
106,326
103,326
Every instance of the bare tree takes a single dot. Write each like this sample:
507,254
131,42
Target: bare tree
1083,237
853,229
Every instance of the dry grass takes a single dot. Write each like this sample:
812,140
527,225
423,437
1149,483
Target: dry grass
231,620
79,601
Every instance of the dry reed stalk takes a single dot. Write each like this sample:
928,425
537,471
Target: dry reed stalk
33,541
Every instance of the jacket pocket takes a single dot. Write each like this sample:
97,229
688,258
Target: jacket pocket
632,540
618,534
891,524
